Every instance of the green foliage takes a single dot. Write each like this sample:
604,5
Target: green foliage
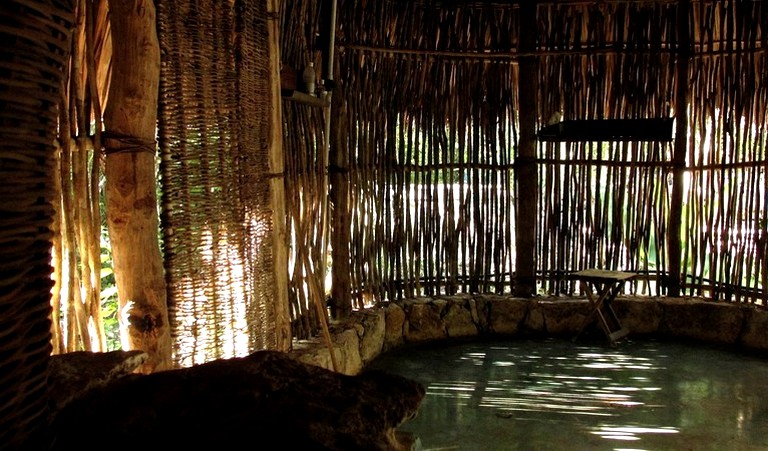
109,295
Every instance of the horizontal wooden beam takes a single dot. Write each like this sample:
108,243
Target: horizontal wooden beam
513,55
657,129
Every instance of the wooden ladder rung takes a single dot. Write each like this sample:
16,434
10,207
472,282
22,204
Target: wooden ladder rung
623,332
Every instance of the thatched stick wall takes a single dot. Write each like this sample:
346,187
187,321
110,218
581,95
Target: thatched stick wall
605,204
76,255
304,39
424,162
430,158
726,232
433,122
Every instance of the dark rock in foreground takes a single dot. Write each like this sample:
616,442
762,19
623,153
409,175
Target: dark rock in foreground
74,373
267,400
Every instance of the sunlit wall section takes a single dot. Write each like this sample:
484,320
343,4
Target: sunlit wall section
216,212
604,204
431,141
306,164
725,234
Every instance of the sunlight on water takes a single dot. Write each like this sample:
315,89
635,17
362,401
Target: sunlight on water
551,394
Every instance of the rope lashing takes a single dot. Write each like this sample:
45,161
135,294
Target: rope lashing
122,143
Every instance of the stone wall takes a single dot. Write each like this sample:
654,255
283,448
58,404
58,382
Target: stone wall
366,334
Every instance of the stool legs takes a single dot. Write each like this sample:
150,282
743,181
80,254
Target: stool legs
602,308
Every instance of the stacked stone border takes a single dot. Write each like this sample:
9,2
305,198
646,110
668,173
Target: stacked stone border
368,333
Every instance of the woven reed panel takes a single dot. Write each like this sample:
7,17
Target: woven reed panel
216,214
34,52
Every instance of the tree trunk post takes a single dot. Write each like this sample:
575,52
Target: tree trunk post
341,287
131,186
283,334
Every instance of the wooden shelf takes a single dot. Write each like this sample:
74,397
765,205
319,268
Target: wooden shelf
302,97
657,129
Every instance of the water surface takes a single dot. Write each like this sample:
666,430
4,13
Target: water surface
553,394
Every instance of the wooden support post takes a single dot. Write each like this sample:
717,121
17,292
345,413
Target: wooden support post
679,152
283,337
131,120
341,294
526,179
341,286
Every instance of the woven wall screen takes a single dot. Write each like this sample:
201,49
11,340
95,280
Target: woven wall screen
214,103
35,51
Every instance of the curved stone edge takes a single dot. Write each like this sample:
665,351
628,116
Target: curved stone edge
368,333
74,373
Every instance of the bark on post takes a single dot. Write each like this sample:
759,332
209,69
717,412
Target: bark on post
341,287
338,169
130,122
525,175
277,190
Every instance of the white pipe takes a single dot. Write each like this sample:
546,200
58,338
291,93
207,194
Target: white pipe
332,41
324,222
